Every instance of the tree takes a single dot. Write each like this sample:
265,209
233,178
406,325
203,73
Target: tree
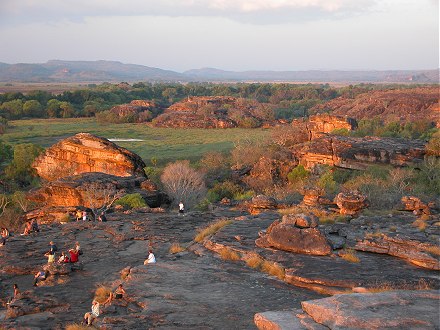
53,108
12,109
20,169
32,108
183,183
100,196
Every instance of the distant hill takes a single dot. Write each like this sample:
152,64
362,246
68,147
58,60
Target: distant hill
84,71
112,71
414,76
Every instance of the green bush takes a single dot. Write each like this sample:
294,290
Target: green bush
131,201
244,195
224,189
298,173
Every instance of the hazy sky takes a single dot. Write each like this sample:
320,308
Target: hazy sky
226,34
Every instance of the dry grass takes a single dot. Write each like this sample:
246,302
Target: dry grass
176,248
229,254
102,293
420,225
376,234
349,255
273,268
212,229
76,326
383,287
254,261
433,249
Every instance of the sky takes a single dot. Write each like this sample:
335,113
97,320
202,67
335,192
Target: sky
236,35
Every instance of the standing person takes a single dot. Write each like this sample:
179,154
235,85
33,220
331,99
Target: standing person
84,215
89,317
151,259
78,248
52,246
50,256
181,207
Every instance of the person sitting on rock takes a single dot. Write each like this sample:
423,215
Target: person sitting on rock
89,317
50,256
34,226
102,217
151,259
74,255
27,228
118,294
78,248
15,295
63,258
4,236
40,276
78,215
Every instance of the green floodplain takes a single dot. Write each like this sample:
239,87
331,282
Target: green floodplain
161,144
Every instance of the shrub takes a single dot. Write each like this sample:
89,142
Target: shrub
273,268
131,201
212,229
203,205
244,195
102,293
433,146
349,255
298,173
224,189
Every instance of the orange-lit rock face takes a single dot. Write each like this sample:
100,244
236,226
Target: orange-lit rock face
85,153
328,123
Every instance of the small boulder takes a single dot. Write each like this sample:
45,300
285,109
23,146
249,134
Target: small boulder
350,203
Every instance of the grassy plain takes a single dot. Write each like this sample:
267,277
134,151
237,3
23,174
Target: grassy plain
162,144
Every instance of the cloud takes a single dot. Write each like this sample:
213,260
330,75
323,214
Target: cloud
253,11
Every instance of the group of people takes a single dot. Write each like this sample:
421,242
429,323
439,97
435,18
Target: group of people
31,227
83,215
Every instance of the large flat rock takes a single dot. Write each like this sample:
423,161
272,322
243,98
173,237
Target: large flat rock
386,310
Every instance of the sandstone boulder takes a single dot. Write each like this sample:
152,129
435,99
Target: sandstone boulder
29,303
84,153
311,197
415,204
325,123
350,203
295,233
385,310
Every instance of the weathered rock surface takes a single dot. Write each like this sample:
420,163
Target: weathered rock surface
296,233
415,204
86,188
134,108
83,153
386,310
404,105
359,153
350,203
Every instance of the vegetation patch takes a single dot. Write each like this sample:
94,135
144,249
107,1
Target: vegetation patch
212,229
102,293
176,248
349,255
229,254
273,268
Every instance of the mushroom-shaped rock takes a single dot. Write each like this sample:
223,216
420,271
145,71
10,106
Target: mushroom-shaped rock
83,153
350,203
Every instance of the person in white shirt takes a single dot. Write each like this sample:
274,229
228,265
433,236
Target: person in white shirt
151,258
90,316
181,207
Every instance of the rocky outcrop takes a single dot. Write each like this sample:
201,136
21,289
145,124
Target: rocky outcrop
384,310
214,112
134,108
406,105
325,123
261,202
83,153
89,188
296,233
350,203
359,153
